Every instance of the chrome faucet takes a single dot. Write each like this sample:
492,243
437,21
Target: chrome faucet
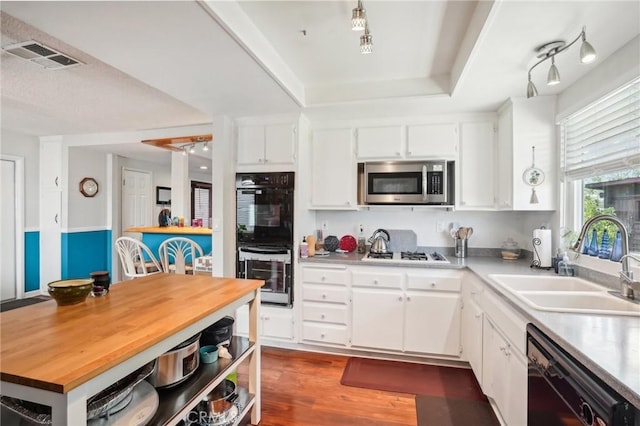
627,284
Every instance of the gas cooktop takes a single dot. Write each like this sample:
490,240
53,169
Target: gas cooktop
407,256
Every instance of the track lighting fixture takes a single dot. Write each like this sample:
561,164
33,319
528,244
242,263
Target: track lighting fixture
192,149
184,151
550,50
205,147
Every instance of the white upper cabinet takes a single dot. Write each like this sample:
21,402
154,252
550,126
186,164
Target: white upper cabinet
379,142
477,166
266,144
51,169
333,170
522,125
436,141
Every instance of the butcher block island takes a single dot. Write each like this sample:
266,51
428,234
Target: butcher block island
60,356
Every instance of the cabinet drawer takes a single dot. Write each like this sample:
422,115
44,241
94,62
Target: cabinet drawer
325,293
325,333
325,276
433,282
377,279
324,312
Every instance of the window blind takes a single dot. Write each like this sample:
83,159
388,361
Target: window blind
201,202
604,137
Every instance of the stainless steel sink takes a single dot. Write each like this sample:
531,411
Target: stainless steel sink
565,294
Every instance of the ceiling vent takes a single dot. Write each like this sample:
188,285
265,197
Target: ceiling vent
42,55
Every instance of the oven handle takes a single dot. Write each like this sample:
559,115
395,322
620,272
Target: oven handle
263,251
424,182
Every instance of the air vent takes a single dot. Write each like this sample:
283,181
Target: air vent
39,54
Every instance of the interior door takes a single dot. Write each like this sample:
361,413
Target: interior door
8,231
136,199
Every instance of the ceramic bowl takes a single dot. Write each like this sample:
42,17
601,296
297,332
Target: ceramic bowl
208,354
70,292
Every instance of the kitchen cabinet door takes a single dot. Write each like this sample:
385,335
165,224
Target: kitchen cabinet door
277,323
377,319
378,143
279,144
472,325
477,167
333,170
50,237
504,375
250,145
432,323
51,169
434,141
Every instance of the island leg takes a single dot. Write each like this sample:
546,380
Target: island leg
254,362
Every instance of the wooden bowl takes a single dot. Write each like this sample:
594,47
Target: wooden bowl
70,292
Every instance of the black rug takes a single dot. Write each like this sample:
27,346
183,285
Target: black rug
19,303
446,411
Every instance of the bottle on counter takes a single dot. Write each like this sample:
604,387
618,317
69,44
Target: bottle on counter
362,241
616,252
304,248
605,247
557,259
593,246
311,245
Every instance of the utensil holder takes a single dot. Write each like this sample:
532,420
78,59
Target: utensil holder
460,248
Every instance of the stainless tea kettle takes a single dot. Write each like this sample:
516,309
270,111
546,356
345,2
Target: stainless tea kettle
379,241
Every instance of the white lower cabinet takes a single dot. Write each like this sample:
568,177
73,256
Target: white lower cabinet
505,375
325,305
432,323
472,329
274,322
377,318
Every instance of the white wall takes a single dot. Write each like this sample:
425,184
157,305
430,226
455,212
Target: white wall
26,146
87,212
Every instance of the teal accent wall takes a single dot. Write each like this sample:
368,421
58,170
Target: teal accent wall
153,241
85,252
31,261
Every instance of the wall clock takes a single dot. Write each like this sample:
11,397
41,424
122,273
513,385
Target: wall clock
88,187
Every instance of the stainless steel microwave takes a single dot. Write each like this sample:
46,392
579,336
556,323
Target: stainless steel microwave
407,182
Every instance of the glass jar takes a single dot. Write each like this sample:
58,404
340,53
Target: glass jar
510,249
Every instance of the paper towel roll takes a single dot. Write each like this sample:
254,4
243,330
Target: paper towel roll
542,248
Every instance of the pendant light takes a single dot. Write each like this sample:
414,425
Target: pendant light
366,41
358,17
553,77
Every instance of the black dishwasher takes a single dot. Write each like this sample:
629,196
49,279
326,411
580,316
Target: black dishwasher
563,392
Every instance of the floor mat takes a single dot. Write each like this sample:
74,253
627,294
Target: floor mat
417,379
13,304
441,411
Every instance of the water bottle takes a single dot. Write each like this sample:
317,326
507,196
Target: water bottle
616,252
593,247
605,247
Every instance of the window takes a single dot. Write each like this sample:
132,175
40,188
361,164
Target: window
601,157
201,202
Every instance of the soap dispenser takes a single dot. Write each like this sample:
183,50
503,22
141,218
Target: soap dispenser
565,267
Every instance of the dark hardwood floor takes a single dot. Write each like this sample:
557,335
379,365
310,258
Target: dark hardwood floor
303,388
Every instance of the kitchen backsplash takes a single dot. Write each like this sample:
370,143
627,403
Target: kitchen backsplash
490,229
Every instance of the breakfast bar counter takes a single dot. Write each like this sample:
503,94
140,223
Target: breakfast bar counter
153,236
61,355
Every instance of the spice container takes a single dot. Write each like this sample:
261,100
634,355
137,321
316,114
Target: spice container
510,249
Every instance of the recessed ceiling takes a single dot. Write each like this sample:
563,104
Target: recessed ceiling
161,64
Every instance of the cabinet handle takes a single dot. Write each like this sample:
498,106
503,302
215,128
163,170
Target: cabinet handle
397,154
322,316
56,181
56,218
266,160
433,285
375,282
408,298
478,315
324,296
408,152
322,278
322,335
400,299
260,160
348,203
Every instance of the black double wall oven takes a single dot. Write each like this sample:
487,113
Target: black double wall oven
264,233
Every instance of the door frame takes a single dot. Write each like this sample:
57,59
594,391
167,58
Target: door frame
19,220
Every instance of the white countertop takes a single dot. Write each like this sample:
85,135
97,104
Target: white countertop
609,345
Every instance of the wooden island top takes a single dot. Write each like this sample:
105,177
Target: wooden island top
185,230
58,348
